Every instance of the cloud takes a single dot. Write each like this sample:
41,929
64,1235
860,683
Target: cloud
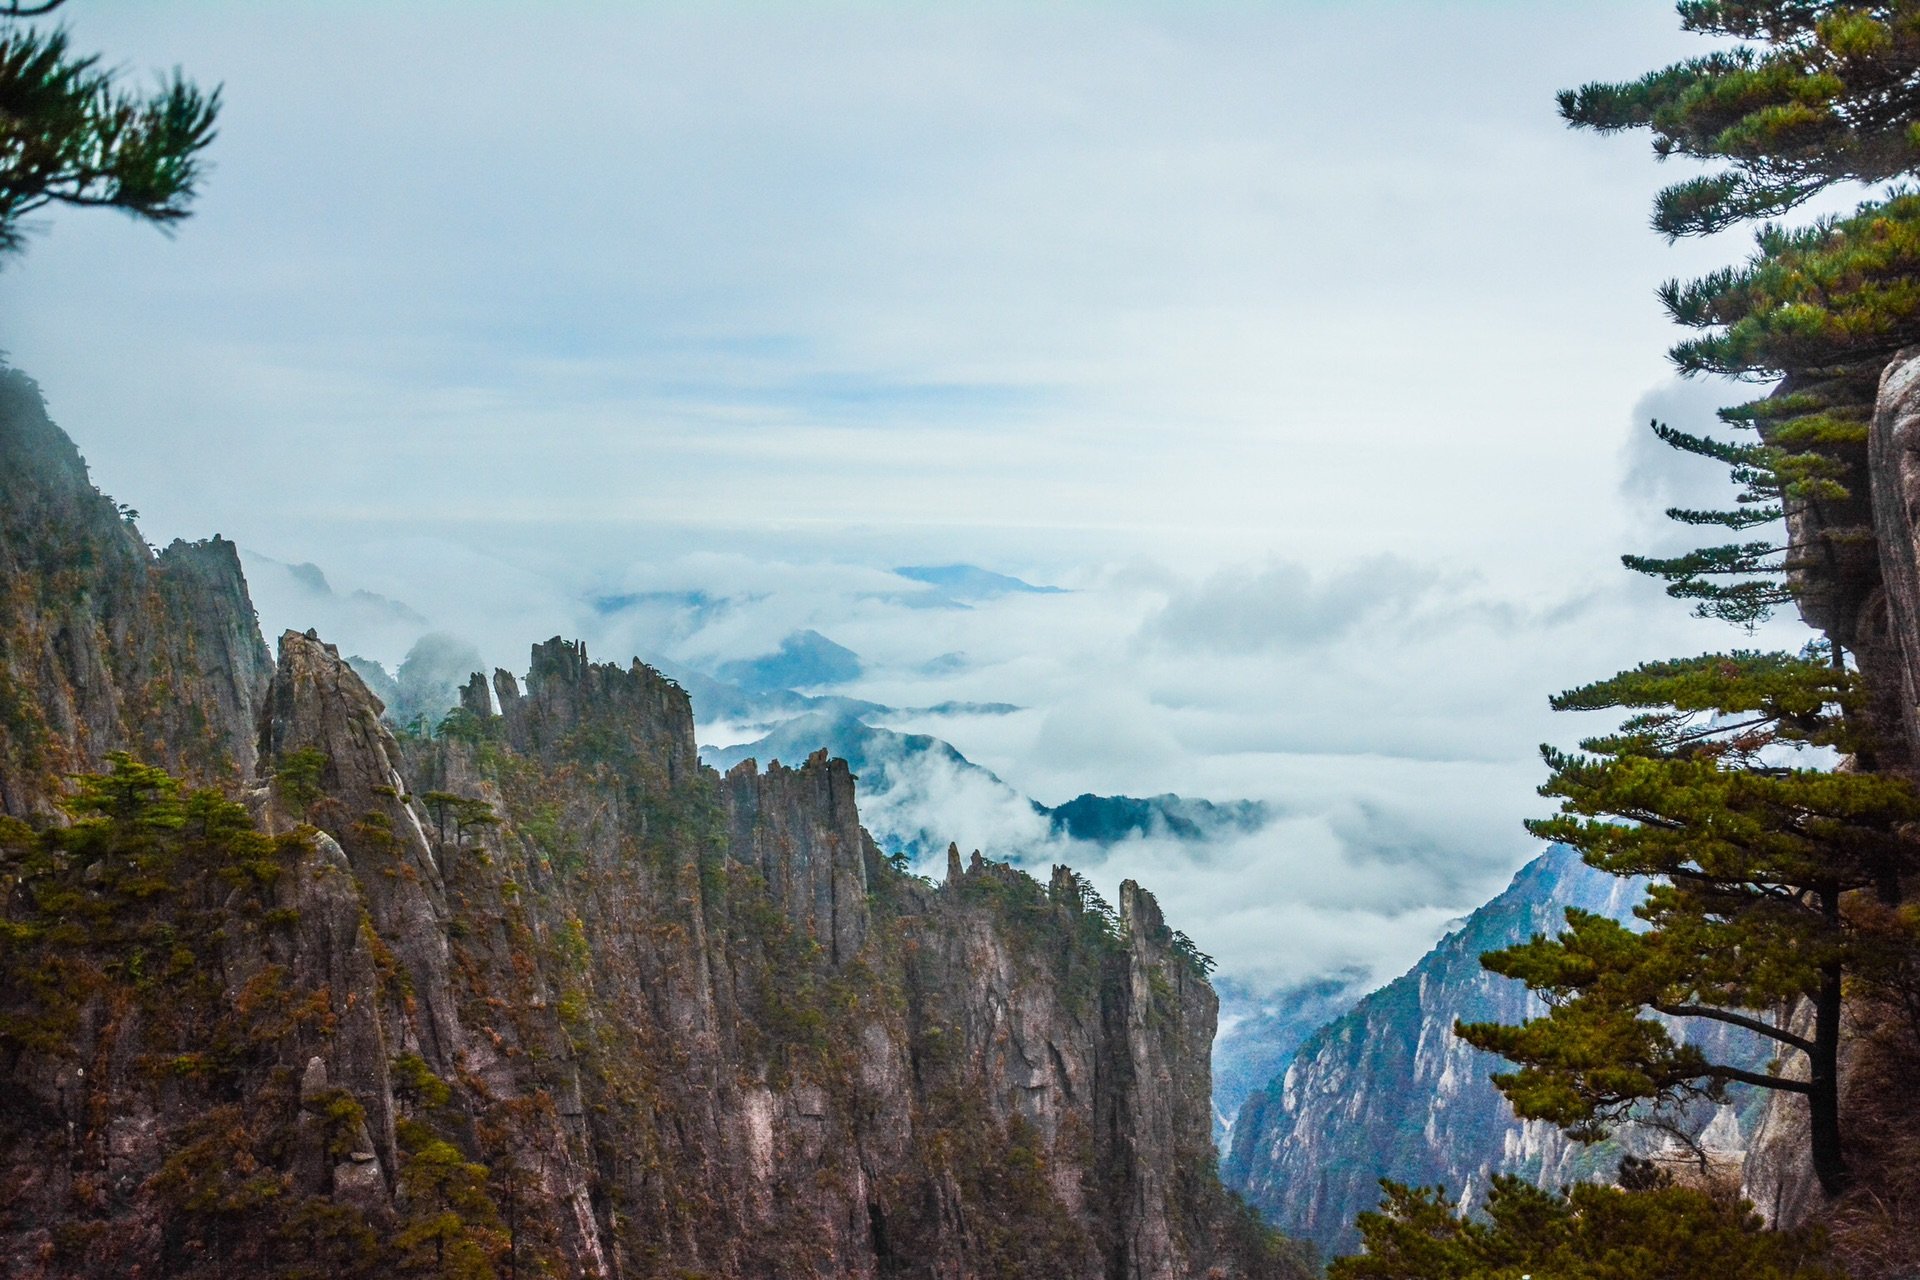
1283,605
1657,476
296,597
1229,319
1388,708
428,681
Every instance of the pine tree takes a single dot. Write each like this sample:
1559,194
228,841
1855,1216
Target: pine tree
1825,93
69,135
1756,862
1586,1232
1772,872
1820,93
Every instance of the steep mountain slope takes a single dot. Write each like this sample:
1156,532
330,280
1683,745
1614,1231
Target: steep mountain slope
107,645
1388,1091
540,995
1260,1032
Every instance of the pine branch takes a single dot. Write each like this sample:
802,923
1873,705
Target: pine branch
1754,1025
1734,1075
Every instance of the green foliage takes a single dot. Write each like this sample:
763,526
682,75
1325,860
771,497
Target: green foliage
1694,787
466,814
1840,291
318,1239
450,1226
1751,861
1593,1059
1016,1226
1694,576
545,826
342,1119
1098,924
1198,960
1825,94
415,1085
1588,1232
69,135
462,725
297,775
134,897
1772,882
215,1172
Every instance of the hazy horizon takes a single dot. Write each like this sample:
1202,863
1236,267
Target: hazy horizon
1309,357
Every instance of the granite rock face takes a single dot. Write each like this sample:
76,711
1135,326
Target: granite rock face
540,994
107,645
1894,466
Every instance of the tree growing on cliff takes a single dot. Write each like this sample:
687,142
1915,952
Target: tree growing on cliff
1772,877
70,135
1825,93
1755,864
1821,93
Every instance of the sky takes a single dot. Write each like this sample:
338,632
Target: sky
1299,342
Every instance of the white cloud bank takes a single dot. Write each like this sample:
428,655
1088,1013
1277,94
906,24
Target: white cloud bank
1298,339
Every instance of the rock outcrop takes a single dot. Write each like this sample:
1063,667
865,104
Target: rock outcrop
1894,467
106,644
539,994
1878,1222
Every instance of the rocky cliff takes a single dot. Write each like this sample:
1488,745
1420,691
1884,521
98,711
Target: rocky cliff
538,994
106,644
1388,1091
1878,1223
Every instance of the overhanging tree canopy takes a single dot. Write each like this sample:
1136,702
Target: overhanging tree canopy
1826,93
70,135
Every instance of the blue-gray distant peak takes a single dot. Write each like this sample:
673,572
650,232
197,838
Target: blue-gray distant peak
1106,819
722,700
971,582
805,659
696,602
874,755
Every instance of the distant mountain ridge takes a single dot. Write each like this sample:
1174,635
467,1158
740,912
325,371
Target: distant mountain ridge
967,581
804,659
897,769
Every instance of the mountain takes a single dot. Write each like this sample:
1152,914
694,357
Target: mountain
538,995
106,645
720,700
1387,1090
1107,819
1260,1031
970,582
919,789
805,659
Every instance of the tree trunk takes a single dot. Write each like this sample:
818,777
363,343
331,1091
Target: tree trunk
1829,1157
